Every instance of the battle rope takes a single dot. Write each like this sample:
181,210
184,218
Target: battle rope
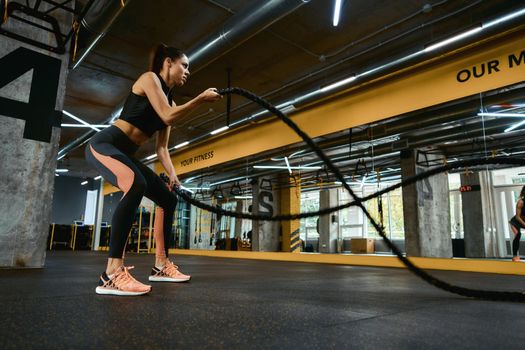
468,292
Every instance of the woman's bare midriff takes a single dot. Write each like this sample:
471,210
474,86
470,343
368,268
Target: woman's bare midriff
134,133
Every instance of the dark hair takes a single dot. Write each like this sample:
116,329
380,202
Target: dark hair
159,54
522,193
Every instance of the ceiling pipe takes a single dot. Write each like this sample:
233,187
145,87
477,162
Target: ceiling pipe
236,30
239,28
95,25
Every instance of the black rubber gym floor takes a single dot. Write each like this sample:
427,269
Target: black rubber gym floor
247,304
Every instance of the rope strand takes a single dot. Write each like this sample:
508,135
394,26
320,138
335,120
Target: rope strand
357,201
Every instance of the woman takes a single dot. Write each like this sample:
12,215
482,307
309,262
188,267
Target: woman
148,109
516,223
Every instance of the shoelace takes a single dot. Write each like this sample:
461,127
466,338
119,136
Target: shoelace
124,277
171,267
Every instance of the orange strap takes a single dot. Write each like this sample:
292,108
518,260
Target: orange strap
5,11
76,28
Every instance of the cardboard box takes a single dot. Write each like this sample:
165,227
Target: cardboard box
362,245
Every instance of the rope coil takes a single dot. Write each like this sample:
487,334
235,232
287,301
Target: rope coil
357,201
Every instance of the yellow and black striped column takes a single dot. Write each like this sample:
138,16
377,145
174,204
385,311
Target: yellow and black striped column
291,204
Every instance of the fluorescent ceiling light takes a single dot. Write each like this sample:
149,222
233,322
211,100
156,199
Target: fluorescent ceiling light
512,115
243,197
337,12
79,120
225,181
214,132
453,39
187,189
84,183
338,84
285,167
61,170
84,126
197,188
182,144
151,156
515,126
98,177
87,51
505,18
288,165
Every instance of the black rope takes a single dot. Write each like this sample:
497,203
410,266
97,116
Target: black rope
468,292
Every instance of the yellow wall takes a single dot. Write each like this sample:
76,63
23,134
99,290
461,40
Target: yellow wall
423,88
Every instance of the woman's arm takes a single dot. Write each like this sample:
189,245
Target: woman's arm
163,155
149,84
519,205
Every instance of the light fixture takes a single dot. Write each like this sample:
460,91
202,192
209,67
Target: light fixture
338,84
182,144
98,178
337,12
61,170
505,18
515,126
85,126
84,183
511,115
225,181
80,120
214,132
243,197
287,167
453,39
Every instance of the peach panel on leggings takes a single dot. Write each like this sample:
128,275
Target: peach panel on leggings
158,231
125,176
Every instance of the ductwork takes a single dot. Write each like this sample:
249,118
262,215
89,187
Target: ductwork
236,30
239,28
95,25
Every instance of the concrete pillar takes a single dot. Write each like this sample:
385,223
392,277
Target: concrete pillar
291,204
483,239
328,224
426,208
32,89
266,234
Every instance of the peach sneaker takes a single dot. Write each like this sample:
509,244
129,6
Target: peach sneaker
121,283
168,273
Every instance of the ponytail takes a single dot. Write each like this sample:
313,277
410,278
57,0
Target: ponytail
160,53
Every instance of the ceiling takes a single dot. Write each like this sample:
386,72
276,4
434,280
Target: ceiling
292,55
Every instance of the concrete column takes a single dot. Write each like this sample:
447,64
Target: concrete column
32,89
483,239
266,234
328,224
291,204
426,208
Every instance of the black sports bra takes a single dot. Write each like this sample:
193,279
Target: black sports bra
139,112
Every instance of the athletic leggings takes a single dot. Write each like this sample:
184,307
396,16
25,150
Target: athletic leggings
111,152
516,242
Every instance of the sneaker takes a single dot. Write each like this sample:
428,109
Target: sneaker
121,283
515,258
169,273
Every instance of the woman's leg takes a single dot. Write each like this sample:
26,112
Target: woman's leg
515,242
157,190
119,170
